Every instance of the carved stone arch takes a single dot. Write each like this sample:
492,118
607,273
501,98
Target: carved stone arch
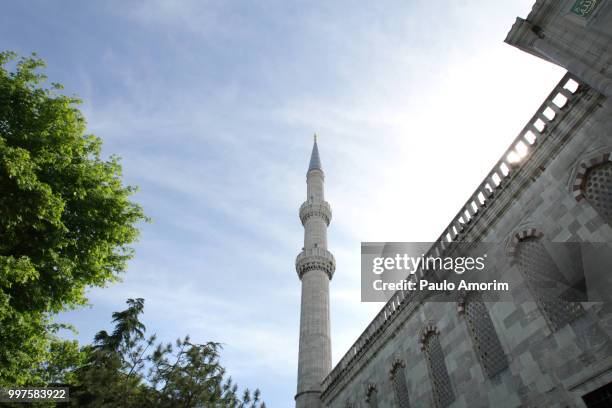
397,363
426,331
442,389
371,392
397,376
543,277
517,237
581,162
593,184
580,173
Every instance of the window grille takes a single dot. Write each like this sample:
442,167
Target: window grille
442,389
597,189
372,397
398,379
542,276
486,342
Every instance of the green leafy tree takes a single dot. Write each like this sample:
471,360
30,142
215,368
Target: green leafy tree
125,369
66,219
190,375
60,360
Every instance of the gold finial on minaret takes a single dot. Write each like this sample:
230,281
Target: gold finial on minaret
315,138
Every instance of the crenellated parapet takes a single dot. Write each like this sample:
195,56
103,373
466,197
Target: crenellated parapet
315,207
315,259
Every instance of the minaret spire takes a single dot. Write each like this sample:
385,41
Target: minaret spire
315,266
315,160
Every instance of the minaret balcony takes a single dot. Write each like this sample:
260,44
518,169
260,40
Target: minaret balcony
315,259
316,208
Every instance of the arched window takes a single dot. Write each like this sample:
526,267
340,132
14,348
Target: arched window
400,388
486,342
593,183
597,189
543,278
442,390
372,396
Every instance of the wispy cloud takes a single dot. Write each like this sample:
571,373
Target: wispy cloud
212,105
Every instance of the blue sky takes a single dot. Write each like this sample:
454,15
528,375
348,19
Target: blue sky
212,106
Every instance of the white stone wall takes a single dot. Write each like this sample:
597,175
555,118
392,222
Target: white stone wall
579,44
315,345
314,182
546,368
315,233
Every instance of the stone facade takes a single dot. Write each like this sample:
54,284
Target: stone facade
554,184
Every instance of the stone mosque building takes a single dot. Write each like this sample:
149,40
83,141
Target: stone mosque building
553,185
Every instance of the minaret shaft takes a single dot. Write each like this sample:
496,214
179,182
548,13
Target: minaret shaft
315,266
314,185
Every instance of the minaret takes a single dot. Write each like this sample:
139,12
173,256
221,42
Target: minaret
315,266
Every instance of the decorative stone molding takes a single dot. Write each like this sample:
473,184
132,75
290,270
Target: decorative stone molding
318,208
370,390
315,259
426,332
520,236
583,169
397,364
315,172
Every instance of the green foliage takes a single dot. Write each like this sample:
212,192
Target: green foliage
62,357
125,369
66,223
66,220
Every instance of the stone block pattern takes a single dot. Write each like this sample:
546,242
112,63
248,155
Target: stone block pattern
546,364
